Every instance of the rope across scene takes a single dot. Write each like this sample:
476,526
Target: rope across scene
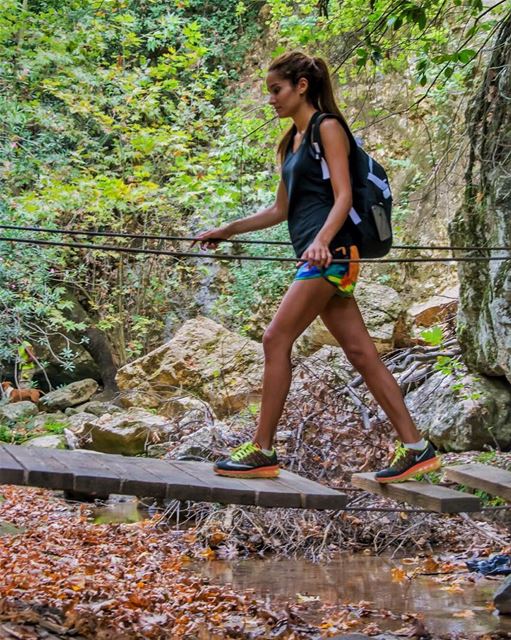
216,256
143,236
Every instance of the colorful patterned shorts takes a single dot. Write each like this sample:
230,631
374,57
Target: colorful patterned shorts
343,276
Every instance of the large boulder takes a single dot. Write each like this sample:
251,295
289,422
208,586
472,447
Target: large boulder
328,364
128,433
15,411
463,413
383,313
435,309
70,396
502,597
204,359
483,220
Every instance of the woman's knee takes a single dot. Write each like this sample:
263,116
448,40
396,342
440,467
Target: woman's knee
362,357
275,340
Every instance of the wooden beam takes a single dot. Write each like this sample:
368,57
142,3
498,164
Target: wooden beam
100,474
428,496
495,481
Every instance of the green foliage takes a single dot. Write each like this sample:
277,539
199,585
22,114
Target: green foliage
55,427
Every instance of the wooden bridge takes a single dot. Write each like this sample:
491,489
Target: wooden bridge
100,474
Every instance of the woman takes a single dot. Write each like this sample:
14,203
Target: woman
316,201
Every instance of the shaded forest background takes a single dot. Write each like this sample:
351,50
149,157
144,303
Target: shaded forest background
151,117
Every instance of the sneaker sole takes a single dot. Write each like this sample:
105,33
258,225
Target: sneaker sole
433,464
262,472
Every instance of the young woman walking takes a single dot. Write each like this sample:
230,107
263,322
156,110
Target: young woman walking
316,202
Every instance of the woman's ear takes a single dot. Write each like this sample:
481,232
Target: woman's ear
302,85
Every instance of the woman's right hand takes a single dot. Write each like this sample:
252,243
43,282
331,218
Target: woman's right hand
210,239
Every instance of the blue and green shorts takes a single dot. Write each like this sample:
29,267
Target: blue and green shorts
343,276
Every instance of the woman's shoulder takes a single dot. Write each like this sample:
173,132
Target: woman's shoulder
331,130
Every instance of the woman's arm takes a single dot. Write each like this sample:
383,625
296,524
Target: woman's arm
268,217
336,146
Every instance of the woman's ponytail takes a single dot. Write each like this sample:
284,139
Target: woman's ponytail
295,65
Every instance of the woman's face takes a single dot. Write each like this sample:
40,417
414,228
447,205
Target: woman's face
285,97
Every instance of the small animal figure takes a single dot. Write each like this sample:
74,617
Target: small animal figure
17,395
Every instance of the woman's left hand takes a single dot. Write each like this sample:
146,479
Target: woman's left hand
317,254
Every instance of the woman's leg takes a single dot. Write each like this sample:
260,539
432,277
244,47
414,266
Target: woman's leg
343,319
302,303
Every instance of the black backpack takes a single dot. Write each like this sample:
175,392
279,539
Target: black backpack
372,198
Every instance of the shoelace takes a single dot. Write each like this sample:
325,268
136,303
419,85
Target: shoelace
400,453
242,450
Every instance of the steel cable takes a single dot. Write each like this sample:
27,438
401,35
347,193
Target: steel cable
215,256
141,236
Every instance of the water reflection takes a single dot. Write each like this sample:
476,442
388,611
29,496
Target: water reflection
358,577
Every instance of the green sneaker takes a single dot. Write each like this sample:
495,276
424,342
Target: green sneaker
409,462
248,461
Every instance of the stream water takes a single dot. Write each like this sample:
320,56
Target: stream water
349,578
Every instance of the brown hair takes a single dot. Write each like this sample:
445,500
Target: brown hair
295,65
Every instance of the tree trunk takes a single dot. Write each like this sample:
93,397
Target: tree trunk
98,345
484,318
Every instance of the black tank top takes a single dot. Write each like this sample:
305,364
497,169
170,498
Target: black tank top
310,196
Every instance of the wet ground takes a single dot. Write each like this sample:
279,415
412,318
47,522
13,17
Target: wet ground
351,578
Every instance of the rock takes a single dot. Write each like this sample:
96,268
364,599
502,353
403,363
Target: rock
74,394
502,597
187,409
41,420
127,433
204,359
77,421
52,441
8,529
477,414
329,364
435,309
15,411
94,407
383,314
201,443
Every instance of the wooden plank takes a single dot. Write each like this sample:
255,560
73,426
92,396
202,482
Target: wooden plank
313,494
41,467
11,471
223,490
495,481
429,496
179,485
91,475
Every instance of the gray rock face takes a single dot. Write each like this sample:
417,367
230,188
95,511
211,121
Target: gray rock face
484,320
15,411
455,422
502,597
74,394
127,433
52,441
200,443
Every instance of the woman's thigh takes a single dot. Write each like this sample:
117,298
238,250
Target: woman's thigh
301,304
343,319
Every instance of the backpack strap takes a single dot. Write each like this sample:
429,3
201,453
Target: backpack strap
317,149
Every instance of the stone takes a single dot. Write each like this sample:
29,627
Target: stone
463,414
328,364
203,359
72,395
94,407
201,443
502,597
383,314
186,408
51,441
15,411
127,433
435,309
